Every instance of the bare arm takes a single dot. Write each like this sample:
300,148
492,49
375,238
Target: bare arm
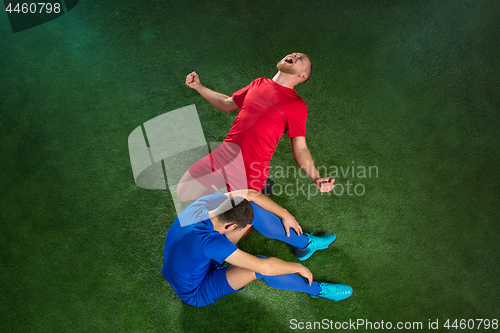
220,101
304,160
264,202
268,266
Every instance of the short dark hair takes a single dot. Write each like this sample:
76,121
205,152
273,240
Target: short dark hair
309,72
235,210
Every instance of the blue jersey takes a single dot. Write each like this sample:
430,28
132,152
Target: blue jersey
191,251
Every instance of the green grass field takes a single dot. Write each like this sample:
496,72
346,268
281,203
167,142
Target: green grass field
408,87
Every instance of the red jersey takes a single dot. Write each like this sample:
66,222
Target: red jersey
267,111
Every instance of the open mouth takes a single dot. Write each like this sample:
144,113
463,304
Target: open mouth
289,60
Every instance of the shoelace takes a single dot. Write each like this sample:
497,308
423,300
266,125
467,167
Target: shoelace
312,238
332,287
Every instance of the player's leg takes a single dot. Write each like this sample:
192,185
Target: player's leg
294,282
190,189
270,226
199,180
215,171
291,282
216,284
238,277
335,292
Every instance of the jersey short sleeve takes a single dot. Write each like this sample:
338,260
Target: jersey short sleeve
239,96
198,210
296,120
211,201
218,247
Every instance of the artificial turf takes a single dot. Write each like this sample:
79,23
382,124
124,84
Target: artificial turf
408,87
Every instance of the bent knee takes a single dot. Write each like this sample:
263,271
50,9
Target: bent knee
183,193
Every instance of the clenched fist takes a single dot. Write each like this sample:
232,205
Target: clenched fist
193,80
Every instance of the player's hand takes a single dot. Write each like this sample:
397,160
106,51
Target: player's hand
291,222
193,80
324,184
305,272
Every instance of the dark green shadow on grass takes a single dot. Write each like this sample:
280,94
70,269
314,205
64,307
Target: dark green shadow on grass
233,313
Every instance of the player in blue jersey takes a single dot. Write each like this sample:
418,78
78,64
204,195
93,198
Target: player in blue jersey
212,226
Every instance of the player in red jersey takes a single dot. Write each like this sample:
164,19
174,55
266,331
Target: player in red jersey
268,109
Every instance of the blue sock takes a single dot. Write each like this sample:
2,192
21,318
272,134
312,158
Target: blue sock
269,225
290,282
